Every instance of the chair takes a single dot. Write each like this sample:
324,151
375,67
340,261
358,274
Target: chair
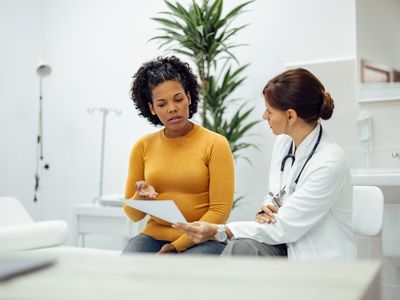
367,210
18,231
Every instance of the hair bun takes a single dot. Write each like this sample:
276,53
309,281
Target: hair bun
327,106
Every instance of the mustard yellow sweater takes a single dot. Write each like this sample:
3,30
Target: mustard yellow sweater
196,171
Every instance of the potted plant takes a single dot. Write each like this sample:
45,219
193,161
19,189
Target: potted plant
202,33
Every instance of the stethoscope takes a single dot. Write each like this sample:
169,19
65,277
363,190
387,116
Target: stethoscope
277,198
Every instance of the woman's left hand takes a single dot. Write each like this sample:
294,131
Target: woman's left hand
198,231
167,248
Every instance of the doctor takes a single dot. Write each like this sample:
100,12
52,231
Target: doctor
308,213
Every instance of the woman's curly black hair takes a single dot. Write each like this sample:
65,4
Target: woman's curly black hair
154,72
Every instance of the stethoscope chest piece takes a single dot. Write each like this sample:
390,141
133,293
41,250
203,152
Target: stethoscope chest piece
277,198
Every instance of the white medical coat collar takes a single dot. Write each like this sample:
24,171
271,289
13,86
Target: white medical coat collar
303,150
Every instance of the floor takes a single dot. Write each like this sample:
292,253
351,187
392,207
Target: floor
390,278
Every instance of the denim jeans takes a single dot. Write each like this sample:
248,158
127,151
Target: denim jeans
146,244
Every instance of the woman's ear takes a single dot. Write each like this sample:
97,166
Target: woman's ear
189,98
153,112
292,116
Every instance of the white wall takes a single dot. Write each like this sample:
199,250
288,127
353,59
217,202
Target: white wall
94,48
378,40
378,23
21,38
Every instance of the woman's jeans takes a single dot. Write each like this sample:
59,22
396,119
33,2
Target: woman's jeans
146,244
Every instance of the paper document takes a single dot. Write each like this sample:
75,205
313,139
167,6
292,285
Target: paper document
162,209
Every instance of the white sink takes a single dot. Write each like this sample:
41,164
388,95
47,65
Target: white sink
381,177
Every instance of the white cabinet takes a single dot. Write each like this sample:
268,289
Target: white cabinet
102,220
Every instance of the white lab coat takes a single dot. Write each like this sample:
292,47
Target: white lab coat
315,220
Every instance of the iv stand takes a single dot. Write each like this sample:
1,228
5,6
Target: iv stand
104,111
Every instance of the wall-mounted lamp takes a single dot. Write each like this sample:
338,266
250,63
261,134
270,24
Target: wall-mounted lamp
42,70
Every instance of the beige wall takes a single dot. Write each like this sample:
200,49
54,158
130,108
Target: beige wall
378,39
339,79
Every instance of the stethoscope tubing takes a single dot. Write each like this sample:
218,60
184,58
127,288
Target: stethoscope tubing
293,158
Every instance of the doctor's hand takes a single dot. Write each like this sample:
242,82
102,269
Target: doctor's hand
145,190
198,231
167,248
267,214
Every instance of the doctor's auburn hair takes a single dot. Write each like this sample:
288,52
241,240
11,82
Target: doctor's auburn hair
157,71
300,90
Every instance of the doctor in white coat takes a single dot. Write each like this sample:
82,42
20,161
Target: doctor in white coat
308,213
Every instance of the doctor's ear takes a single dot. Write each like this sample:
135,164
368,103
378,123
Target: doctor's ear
292,116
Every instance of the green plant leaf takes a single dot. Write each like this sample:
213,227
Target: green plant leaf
237,10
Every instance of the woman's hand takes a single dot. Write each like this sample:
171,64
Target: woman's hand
145,190
198,231
167,248
267,214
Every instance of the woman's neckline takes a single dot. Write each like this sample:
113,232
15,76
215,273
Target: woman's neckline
179,138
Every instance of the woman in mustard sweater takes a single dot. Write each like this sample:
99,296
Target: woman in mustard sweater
183,161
